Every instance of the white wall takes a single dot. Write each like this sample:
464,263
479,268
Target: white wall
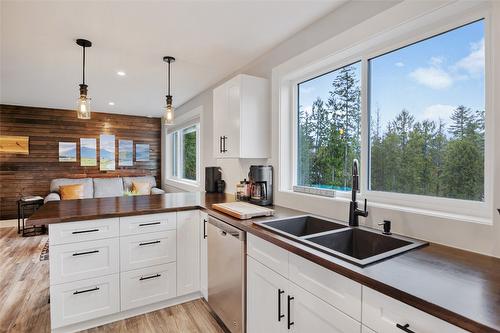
471,236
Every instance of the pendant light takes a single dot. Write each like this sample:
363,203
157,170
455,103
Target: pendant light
83,103
169,108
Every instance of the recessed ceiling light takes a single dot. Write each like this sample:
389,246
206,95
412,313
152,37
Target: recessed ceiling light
111,103
120,73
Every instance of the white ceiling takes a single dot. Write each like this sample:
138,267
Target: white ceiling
40,64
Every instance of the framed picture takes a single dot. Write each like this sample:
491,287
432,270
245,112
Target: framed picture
88,152
67,151
125,153
142,152
106,152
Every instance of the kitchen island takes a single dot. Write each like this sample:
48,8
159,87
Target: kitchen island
456,286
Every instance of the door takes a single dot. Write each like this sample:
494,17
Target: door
266,299
220,119
188,252
231,137
308,313
204,254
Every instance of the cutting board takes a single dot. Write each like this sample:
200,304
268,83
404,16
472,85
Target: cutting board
243,210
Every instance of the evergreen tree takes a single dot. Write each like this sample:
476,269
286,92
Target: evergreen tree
461,118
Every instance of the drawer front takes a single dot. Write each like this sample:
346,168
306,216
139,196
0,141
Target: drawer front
131,225
84,300
72,232
84,260
148,285
145,250
268,254
335,289
383,314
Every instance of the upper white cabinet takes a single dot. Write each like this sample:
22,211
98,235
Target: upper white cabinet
242,118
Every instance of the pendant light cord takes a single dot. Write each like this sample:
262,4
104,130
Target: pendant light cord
169,77
83,64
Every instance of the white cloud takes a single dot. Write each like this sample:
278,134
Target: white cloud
399,64
436,61
433,77
474,62
438,111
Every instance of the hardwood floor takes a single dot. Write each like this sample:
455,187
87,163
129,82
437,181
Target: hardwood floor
24,294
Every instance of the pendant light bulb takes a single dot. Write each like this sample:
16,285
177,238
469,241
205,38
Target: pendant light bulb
168,117
83,103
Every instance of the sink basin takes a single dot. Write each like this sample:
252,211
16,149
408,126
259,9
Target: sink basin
301,226
361,246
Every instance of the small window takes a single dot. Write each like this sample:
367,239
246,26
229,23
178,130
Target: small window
185,153
329,128
427,116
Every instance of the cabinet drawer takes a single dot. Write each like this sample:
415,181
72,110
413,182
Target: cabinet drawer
145,250
84,300
382,314
71,232
333,288
148,285
131,225
84,260
268,254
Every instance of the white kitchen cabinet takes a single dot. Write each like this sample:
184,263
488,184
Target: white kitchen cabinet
188,252
242,118
204,255
266,299
308,313
144,250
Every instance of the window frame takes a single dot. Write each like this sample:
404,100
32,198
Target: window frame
468,210
176,140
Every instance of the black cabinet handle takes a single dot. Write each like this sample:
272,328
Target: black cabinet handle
280,292
146,224
224,138
220,144
405,328
149,243
84,231
289,300
83,253
149,277
85,291
204,228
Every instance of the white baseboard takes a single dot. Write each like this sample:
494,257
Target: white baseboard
127,314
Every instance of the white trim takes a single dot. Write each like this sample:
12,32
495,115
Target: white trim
425,21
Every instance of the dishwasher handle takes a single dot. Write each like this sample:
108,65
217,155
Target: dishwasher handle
226,229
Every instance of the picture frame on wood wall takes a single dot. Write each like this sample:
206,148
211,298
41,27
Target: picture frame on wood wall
142,152
106,152
125,153
67,152
88,155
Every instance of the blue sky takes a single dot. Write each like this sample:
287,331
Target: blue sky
429,78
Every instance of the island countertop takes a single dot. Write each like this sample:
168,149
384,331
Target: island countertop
458,286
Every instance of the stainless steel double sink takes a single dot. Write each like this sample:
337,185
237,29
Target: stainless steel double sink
358,245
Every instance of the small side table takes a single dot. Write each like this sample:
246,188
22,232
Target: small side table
22,206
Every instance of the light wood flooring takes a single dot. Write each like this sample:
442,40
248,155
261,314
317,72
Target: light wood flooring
24,294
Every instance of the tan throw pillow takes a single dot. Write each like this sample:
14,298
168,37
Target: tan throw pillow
69,192
141,188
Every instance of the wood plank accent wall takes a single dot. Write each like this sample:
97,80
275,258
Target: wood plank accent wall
31,174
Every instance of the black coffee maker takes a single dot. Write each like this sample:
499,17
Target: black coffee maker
261,184
213,180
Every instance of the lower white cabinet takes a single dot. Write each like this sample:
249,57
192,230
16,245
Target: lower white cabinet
266,299
385,314
147,285
82,300
204,255
188,252
144,250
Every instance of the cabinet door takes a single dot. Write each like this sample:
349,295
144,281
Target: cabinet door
220,118
204,255
231,143
308,313
266,299
188,252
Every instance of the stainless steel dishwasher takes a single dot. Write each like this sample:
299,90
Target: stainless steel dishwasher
227,273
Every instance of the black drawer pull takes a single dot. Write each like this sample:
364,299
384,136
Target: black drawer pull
82,253
405,328
149,243
149,277
279,304
289,323
85,291
146,224
84,231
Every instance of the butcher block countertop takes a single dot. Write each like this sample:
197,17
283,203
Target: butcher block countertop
458,286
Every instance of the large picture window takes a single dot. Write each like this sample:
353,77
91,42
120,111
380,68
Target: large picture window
329,128
185,153
427,109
